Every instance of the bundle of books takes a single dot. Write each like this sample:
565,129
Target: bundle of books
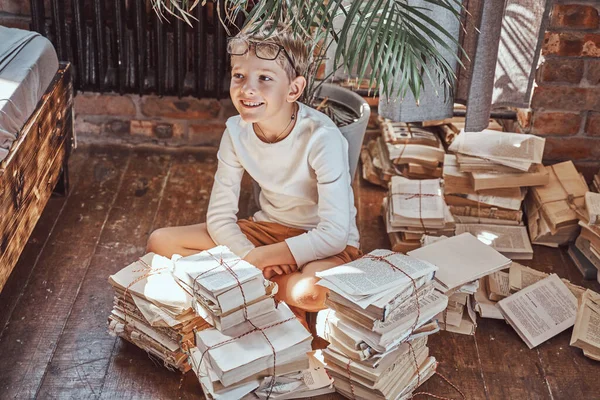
495,206
153,312
585,252
462,262
251,338
554,210
414,208
381,311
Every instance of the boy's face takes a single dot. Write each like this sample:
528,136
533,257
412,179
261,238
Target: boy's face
260,88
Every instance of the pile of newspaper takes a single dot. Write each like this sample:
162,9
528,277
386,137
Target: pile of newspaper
253,346
381,311
153,312
414,208
554,210
463,262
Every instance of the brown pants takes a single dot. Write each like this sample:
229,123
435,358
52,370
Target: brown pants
297,289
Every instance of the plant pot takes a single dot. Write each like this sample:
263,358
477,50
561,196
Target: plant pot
355,132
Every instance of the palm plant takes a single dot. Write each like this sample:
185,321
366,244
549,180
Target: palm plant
385,38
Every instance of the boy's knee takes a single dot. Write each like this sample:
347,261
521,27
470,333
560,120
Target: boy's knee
155,240
307,295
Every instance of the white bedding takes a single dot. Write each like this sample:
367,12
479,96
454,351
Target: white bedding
28,62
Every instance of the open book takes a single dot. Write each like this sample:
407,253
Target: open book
511,241
540,311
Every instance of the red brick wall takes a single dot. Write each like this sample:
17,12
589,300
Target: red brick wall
164,120
565,107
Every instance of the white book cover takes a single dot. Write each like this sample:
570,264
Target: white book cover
461,259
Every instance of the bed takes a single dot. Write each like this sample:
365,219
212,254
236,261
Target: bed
36,136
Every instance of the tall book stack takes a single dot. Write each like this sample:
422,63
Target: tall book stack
462,261
251,338
153,312
381,310
414,208
486,180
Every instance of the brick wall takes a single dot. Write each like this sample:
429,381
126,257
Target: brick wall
565,107
151,119
15,13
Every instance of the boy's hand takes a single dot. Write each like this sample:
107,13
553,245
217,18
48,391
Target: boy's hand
273,270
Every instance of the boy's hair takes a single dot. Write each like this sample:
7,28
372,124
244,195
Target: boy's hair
282,35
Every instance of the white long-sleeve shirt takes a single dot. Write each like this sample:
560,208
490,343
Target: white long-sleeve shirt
304,180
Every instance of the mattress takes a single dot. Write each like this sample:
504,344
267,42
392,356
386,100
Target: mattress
28,63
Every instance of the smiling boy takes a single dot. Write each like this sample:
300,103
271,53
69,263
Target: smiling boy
299,158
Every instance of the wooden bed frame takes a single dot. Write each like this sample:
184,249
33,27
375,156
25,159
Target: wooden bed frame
35,165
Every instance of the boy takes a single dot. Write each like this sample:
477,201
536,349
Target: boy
307,221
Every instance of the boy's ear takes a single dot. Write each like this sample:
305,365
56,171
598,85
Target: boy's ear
297,86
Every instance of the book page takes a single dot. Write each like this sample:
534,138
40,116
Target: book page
541,310
366,276
498,284
586,333
505,239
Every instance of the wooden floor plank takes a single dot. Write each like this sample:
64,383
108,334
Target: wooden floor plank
569,374
38,319
19,278
80,363
131,373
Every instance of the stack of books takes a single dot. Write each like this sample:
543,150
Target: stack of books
587,325
554,210
585,252
381,310
462,261
251,338
414,208
153,312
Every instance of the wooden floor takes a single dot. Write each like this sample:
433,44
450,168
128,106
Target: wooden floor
53,310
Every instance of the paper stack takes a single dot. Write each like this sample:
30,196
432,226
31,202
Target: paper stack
221,298
462,261
553,210
153,312
381,311
251,339
414,208
495,206
416,151
586,332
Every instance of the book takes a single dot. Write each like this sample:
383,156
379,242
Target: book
585,266
540,311
460,259
537,176
520,277
244,350
586,331
592,207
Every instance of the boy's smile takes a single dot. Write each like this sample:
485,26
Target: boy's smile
262,92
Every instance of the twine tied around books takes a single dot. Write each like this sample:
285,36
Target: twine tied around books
420,195
413,282
570,199
229,268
